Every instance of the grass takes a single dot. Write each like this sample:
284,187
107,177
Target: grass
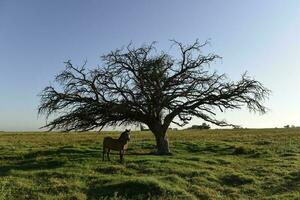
210,164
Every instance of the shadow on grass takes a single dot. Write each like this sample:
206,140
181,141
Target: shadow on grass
292,181
72,153
204,148
288,184
131,189
139,153
30,165
134,188
48,159
152,153
236,180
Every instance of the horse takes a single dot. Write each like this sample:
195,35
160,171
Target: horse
119,144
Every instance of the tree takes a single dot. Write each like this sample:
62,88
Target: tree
205,126
140,85
287,126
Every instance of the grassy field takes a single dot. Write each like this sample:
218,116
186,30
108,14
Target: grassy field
212,164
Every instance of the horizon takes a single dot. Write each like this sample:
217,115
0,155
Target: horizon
137,130
261,38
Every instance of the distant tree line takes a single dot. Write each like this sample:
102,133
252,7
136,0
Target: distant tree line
201,127
143,128
290,126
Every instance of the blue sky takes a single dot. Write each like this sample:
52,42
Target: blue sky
37,36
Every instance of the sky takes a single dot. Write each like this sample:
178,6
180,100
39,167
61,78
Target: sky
260,37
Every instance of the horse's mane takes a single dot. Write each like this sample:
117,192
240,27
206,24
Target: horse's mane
123,134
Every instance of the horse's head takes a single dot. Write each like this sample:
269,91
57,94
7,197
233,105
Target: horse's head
125,136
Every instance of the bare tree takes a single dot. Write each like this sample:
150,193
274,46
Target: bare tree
140,85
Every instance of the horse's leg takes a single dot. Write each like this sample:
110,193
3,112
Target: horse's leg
108,151
103,153
121,156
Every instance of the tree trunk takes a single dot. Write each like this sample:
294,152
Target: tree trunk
162,144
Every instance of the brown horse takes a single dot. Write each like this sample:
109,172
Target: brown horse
116,144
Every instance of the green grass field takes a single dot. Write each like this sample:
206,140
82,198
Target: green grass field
212,164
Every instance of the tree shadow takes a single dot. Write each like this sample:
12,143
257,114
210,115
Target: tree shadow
292,181
131,189
140,153
236,180
222,149
48,159
28,165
